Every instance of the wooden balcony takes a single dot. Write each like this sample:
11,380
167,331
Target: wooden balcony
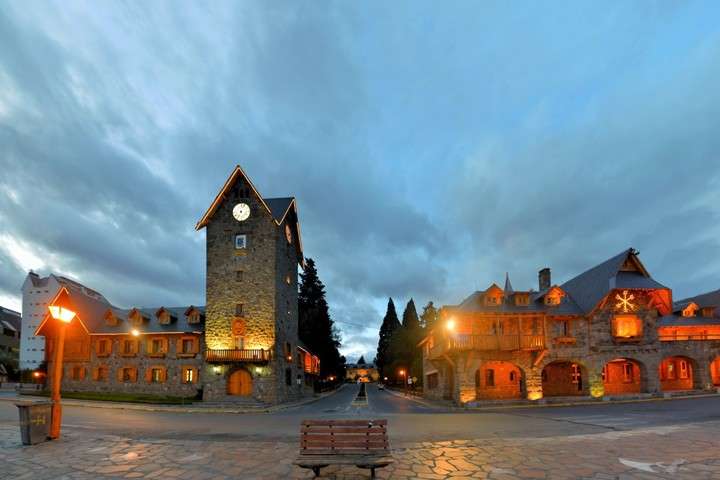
459,343
681,337
256,355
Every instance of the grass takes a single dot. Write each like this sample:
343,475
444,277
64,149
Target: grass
122,397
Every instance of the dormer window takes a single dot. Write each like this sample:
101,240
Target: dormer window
194,316
493,300
690,310
111,319
522,299
552,299
136,317
708,312
164,316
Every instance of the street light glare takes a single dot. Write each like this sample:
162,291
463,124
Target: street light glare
450,325
135,332
61,313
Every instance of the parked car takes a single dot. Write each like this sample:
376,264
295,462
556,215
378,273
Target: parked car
381,386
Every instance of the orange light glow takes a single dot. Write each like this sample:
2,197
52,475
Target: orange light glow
36,374
61,313
450,325
627,326
135,332
402,373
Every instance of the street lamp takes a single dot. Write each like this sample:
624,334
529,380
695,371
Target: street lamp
64,315
450,325
402,375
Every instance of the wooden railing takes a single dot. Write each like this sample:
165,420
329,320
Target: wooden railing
683,337
488,343
236,355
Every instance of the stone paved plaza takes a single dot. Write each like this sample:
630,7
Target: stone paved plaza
678,452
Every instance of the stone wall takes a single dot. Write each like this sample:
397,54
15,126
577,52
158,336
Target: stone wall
172,385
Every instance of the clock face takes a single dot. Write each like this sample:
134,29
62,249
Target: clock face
241,212
288,233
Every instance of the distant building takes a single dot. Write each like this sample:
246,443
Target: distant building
241,346
10,331
612,330
361,372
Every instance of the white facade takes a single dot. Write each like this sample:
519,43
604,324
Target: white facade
36,293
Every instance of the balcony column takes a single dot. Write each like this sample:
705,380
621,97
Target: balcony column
533,383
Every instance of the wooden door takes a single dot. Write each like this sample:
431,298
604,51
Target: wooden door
240,383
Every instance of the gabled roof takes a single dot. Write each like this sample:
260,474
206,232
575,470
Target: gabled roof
11,318
709,299
588,288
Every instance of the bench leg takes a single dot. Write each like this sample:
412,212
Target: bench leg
316,471
372,472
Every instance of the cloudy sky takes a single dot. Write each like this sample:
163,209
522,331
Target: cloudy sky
432,146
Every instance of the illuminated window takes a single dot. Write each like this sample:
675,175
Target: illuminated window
156,375
575,373
240,242
552,299
627,326
670,370
683,369
489,377
188,375
628,372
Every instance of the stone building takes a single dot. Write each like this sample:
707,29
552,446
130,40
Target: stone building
241,346
612,330
361,372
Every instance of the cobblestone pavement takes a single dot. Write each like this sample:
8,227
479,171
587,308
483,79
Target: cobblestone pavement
677,452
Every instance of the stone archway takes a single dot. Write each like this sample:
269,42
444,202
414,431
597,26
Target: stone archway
499,380
563,378
624,376
239,383
715,371
678,373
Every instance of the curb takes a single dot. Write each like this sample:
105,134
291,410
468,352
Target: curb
173,408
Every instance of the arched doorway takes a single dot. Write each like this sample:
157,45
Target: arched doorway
240,383
715,371
623,376
677,373
562,379
498,380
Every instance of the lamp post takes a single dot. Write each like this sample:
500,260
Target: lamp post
64,316
402,375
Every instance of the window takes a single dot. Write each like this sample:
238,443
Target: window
189,375
513,376
156,346
288,351
521,299
489,377
188,345
628,372
575,373
103,347
605,374
156,375
240,242
432,381
708,312
77,373
493,300
552,299
239,275
671,374
239,309
239,342
288,377
565,328
103,372
683,369
129,347
128,374
627,326
194,317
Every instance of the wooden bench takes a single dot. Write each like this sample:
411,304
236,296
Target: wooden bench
363,443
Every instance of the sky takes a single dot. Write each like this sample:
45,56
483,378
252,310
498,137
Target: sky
432,146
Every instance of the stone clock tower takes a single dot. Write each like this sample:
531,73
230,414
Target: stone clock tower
251,326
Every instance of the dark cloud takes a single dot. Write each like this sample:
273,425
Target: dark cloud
431,149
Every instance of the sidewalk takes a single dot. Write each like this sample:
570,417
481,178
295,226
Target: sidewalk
683,452
547,402
191,408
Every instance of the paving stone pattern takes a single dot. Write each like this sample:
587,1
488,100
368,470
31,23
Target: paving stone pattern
678,452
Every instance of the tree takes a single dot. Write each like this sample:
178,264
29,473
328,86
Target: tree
406,354
361,360
315,327
429,316
389,325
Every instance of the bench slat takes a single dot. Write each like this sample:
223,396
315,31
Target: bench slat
339,452
343,430
345,423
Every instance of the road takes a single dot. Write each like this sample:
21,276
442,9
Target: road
409,420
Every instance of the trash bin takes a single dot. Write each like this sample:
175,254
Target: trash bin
34,421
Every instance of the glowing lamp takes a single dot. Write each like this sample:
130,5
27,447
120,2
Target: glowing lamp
450,325
402,373
216,369
258,370
61,313
36,374
135,332
385,378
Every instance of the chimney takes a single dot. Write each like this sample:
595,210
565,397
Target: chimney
544,279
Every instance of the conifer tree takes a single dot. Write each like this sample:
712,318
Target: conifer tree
361,360
389,325
315,327
428,317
